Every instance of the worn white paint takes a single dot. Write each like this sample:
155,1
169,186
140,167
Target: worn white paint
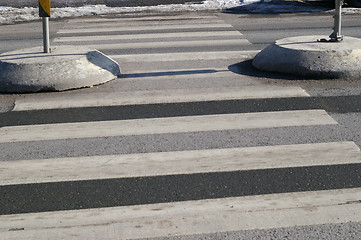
182,162
144,18
187,218
150,24
199,43
164,125
177,35
144,28
191,56
155,97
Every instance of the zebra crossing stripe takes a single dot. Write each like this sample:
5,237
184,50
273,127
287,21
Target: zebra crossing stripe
194,43
150,24
180,162
156,97
148,36
190,217
142,19
165,125
144,28
184,56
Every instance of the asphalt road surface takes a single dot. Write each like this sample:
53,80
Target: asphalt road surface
190,142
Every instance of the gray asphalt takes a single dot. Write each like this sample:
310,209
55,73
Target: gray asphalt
259,30
71,195
340,98
345,231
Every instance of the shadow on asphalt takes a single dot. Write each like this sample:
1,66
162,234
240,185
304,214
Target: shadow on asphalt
246,68
167,73
280,7
275,7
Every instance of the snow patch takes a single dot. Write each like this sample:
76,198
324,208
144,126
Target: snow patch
10,15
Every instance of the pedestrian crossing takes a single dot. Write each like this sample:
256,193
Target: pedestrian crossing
164,125
158,96
145,28
150,192
170,44
149,36
173,219
178,162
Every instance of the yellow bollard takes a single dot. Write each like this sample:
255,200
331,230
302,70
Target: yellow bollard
44,8
44,12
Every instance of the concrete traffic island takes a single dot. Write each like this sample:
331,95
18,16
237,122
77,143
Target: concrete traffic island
64,68
306,56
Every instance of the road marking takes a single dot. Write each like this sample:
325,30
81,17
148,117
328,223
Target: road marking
145,28
179,162
148,36
164,125
184,56
142,19
190,217
199,43
150,24
156,97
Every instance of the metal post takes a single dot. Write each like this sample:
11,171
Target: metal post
46,37
336,35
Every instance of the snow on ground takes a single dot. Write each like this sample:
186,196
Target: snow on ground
10,15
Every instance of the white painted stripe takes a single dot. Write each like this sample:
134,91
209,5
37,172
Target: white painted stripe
182,162
164,125
156,83
144,28
200,43
190,73
184,56
178,72
154,97
149,36
140,19
150,24
188,218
